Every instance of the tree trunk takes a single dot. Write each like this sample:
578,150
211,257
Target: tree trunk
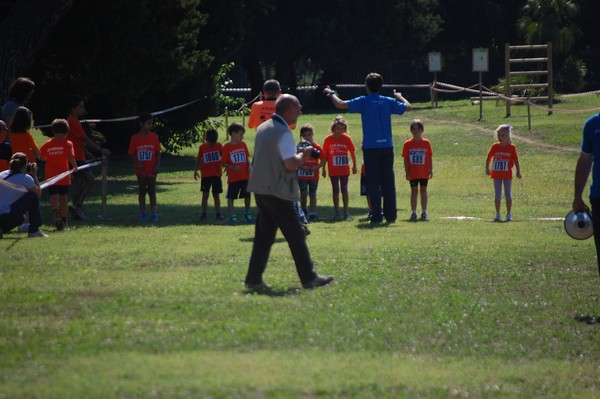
24,32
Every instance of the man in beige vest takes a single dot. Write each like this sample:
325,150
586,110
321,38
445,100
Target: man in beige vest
274,182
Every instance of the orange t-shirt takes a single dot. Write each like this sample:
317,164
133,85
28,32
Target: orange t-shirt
56,154
211,163
237,154
336,150
260,112
310,161
75,136
145,148
418,154
23,142
503,159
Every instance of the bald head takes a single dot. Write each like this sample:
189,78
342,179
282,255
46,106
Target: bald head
288,107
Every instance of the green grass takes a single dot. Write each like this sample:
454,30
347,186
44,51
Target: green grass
445,308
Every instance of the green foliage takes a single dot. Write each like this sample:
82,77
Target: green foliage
571,78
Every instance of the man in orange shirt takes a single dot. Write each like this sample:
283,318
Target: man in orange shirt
262,110
83,181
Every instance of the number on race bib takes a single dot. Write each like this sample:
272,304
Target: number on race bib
340,160
144,155
500,165
417,157
212,157
305,173
238,157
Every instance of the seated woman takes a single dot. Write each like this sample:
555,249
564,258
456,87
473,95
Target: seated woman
20,193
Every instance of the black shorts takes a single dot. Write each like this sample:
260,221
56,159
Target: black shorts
86,173
238,189
60,190
212,181
416,182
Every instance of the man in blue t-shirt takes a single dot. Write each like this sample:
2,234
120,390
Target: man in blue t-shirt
590,150
378,148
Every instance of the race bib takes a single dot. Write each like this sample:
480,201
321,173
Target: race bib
340,160
238,157
417,157
500,165
144,155
210,157
306,173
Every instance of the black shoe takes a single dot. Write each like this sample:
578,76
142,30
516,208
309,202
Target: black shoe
319,281
262,286
306,229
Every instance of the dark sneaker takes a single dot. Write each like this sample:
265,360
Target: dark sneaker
413,217
306,229
203,217
249,218
424,216
319,281
262,286
220,217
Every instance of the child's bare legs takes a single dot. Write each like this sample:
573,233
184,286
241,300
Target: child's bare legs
336,203
230,206
423,191
247,203
346,200
414,193
508,206
303,199
313,202
217,200
63,205
204,205
54,202
151,184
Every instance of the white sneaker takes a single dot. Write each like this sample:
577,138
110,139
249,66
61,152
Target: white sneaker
39,233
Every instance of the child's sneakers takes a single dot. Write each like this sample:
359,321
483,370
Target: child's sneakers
312,217
203,216
249,218
337,216
219,217
37,234
498,218
424,216
508,217
413,217
348,216
154,217
143,217
233,219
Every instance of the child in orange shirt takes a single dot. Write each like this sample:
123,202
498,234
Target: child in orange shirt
418,165
336,148
502,156
308,173
58,154
144,150
210,164
20,138
236,159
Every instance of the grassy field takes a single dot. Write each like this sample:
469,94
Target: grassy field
452,307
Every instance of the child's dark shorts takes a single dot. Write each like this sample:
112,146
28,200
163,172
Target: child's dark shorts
416,182
214,182
238,189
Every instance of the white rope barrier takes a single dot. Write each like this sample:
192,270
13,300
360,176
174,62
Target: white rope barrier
61,176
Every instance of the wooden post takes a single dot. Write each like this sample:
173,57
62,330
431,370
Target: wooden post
507,91
550,87
528,112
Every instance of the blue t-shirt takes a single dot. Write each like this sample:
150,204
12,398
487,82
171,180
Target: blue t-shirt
591,145
376,112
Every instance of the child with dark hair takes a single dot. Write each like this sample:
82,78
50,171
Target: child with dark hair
144,150
210,164
58,154
83,180
21,139
19,92
236,159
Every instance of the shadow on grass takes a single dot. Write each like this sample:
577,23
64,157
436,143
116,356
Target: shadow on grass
588,319
274,292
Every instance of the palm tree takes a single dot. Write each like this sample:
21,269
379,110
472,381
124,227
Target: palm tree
551,21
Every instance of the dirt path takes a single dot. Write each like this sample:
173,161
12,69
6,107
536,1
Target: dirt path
489,132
